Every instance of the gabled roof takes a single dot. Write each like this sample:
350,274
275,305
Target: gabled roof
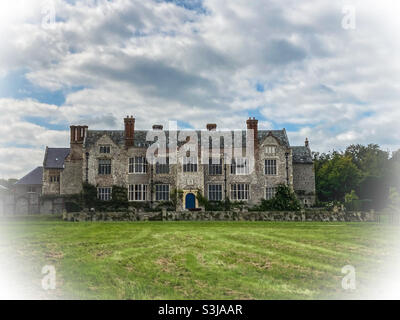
278,134
54,158
302,154
117,136
33,177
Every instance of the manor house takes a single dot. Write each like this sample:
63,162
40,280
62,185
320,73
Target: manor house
106,158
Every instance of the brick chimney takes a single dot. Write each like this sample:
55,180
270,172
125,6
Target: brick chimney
306,143
253,124
211,126
129,130
78,133
157,127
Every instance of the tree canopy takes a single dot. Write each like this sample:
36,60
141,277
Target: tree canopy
366,171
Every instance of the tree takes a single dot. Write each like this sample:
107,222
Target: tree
371,160
176,197
375,167
394,201
350,197
284,199
337,177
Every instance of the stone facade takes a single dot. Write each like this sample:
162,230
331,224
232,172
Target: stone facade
117,151
303,179
26,193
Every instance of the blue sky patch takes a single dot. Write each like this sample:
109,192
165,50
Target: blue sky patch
184,125
194,5
43,122
259,87
15,85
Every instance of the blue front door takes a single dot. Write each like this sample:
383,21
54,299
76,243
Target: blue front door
190,201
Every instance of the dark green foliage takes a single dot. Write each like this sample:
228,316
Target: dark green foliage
176,196
89,195
284,200
119,196
71,206
88,199
337,177
169,205
368,170
225,205
145,206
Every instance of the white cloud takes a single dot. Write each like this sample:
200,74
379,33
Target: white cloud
159,61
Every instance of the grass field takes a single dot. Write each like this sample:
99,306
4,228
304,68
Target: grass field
196,260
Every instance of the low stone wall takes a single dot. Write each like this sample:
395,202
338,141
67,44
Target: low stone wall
305,215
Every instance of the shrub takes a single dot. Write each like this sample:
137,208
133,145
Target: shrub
284,199
71,206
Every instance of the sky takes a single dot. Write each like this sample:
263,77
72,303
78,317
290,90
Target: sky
326,70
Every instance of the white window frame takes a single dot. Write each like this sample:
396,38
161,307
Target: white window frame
214,169
104,149
189,164
54,178
270,192
240,191
137,192
269,168
163,168
31,189
137,166
270,150
104,193
103,166
240,166
215,195
163,194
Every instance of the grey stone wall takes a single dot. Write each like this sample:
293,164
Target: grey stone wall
26,202
49,187
305,215
71,177
304,182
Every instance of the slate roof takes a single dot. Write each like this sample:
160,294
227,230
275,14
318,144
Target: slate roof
302,154
117,136
54,158
33,177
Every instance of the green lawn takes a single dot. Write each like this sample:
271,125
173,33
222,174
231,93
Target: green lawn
196,260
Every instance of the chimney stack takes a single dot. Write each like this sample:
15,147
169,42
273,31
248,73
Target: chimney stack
129,130
253,124
211,126
306,143
78,133
157,127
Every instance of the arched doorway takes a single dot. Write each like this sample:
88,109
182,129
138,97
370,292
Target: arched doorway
190,201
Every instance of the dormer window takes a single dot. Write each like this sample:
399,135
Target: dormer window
105,149
271,150
55,178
